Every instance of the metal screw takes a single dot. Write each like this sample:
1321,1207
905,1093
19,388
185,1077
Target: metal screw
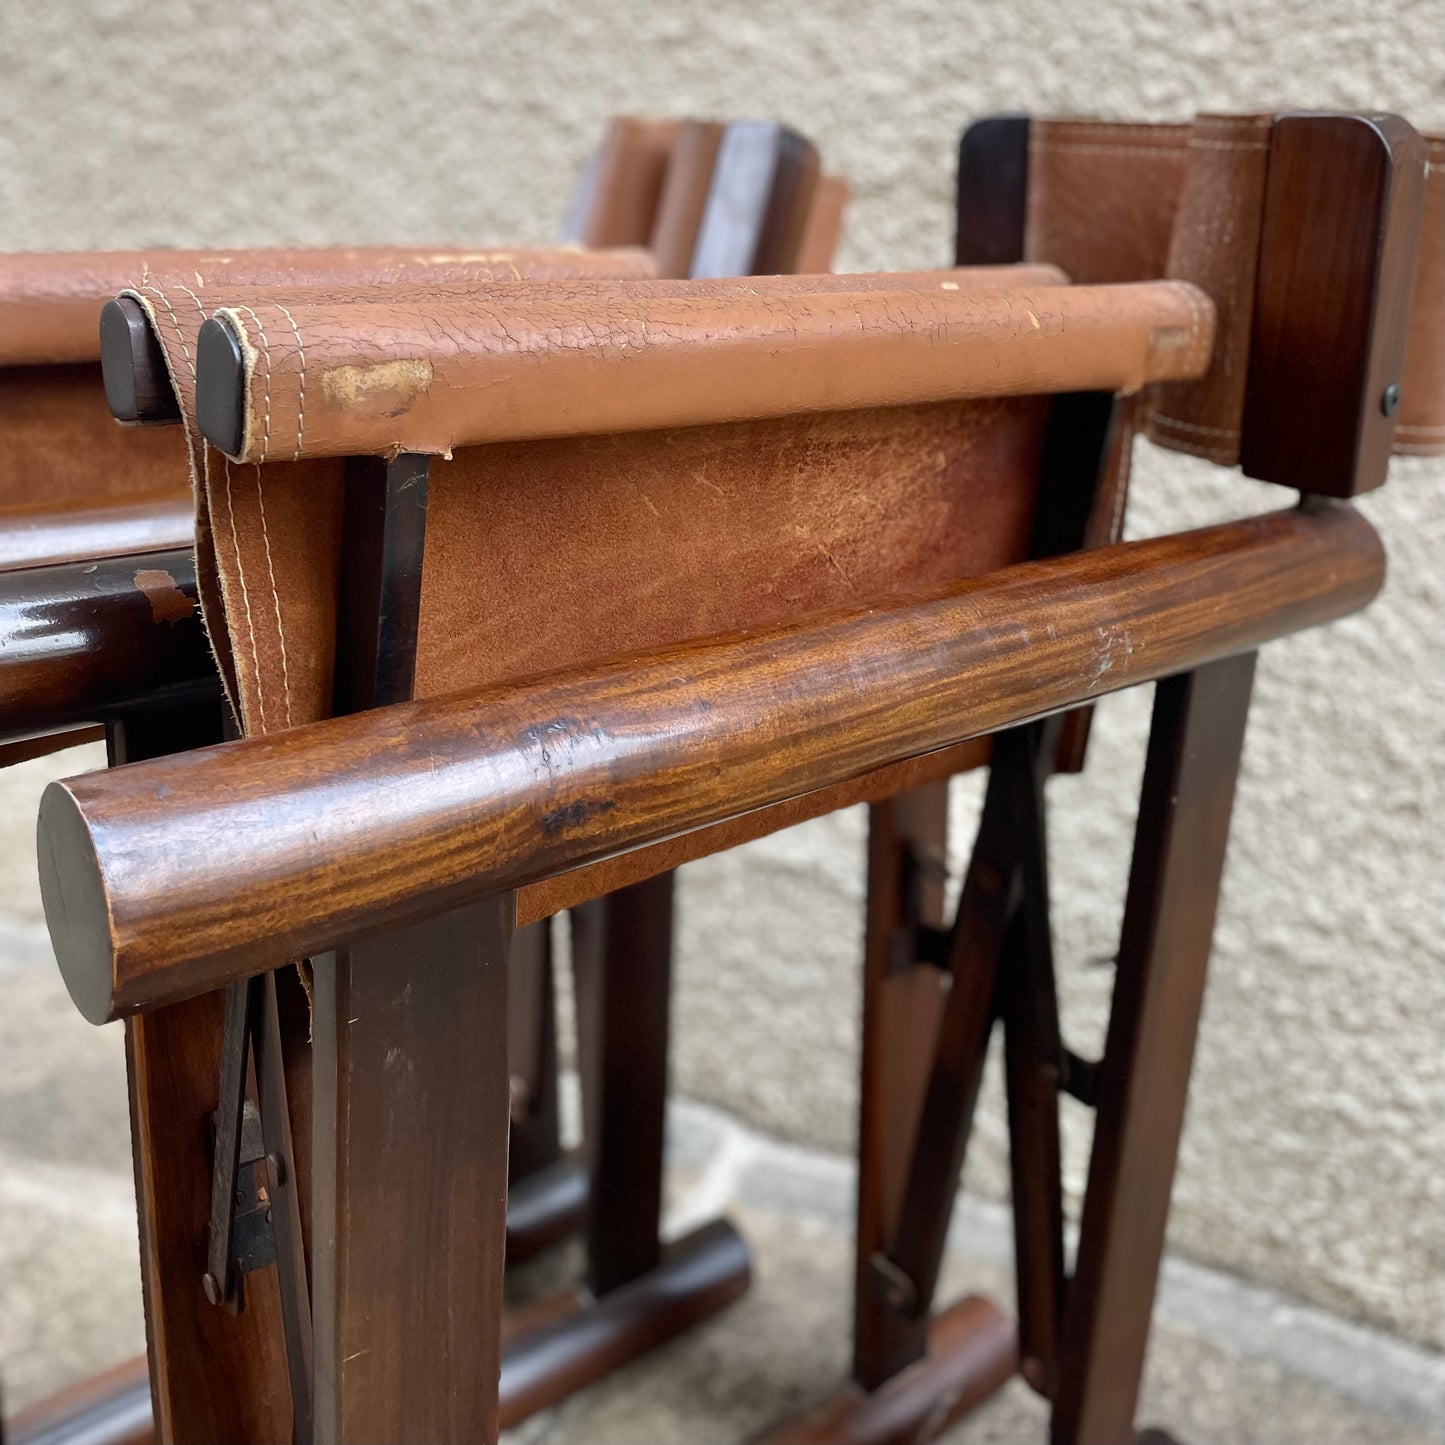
1390,400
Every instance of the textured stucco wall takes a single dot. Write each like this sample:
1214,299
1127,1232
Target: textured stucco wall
1315,1152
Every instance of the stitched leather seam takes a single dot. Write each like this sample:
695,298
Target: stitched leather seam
1228,145
1196,323
265,531
1163,130
275,596
266,350
1421,429
1100,149
235,544
1209,452
245,594
301,400
175,322
1418,449
1218,431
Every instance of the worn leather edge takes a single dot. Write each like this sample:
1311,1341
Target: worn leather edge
372,377
50,301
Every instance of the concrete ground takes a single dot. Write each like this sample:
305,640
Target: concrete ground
1229,1362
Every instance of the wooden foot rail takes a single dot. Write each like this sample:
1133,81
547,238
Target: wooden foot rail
970,1353
163,882
114,1408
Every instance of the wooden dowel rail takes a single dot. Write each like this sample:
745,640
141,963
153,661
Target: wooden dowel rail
83,641
44,536
172,877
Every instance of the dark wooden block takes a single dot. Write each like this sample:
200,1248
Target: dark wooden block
1332,299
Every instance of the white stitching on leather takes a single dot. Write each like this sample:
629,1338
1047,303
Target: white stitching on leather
1229,145
1213,453
245,594
180,335
301,400
1421,429
1217,431
266,349
1099,149
275,596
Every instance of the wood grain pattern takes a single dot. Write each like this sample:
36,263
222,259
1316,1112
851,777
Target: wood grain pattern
83,641
170,879
1195,744
1332,300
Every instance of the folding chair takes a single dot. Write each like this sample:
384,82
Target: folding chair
375,840
137,656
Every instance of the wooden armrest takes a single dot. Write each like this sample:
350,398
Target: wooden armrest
172,877
378,375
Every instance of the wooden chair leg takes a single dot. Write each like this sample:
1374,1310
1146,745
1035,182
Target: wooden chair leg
532,1052
409,1166
547,1186
622,957
1179,848
213,1376
902,1001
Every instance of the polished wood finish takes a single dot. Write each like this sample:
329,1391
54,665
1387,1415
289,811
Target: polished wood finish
532,1057
214,1376
992,193
409,1163
1332,301
545,1205
576,1341
757,207
1179,845
137,382
410,1101
902,1002
1033,1059
969,1355
622,959
113,1408
85,641
44,536
181,876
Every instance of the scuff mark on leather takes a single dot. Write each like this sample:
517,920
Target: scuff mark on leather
392,385
168,602
569,815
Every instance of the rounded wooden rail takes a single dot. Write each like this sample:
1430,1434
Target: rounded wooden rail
44,536
176,876
84,640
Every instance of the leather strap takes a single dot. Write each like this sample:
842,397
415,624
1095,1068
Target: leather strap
432,371
1117,201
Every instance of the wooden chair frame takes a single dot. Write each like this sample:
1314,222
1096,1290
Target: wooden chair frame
1196,608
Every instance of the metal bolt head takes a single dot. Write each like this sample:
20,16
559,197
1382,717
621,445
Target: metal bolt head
211,1286
1390,399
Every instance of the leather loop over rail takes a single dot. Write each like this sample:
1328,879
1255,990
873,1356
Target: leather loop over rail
380,376
1135,201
